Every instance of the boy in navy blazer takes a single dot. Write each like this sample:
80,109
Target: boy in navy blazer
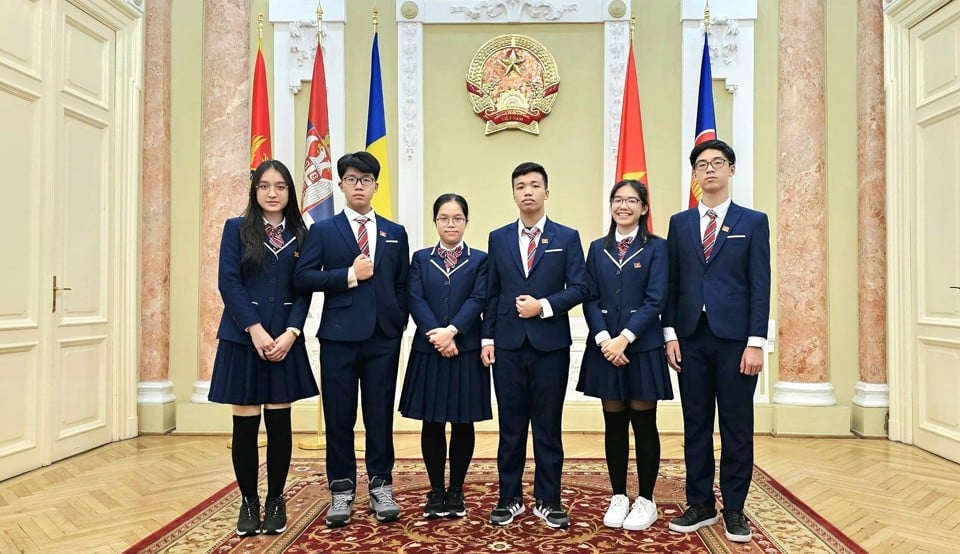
359,260
535,275
715,328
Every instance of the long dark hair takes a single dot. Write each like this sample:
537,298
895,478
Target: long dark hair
641,190
252,233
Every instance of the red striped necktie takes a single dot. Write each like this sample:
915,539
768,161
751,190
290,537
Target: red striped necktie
450,256
622,247
274,235
531,234
362,240
709,235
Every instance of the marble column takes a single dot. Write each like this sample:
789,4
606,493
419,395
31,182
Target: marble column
802,232
155,387
225,155
871,389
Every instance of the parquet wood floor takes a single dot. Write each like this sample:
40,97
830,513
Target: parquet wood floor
886,496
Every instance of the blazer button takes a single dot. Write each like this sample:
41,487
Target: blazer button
273,279
616,291
271,299
444,300
619,272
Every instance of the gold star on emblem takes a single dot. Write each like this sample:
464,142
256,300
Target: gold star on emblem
511,62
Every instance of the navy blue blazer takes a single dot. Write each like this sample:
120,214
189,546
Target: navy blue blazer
629,294
268,298
734,285
559,275
352,314
439,298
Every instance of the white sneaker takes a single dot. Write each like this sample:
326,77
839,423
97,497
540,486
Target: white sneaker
617,512
642,516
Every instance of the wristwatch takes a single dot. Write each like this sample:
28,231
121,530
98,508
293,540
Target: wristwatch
294,330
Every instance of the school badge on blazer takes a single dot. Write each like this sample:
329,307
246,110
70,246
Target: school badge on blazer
512,82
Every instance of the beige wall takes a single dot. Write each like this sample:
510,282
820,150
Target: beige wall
458,157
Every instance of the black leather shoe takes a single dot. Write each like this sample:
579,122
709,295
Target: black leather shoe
738,527
696,516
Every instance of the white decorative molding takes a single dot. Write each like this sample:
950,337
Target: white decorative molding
723,33
869,395
514,10
804,394
201,389
616,37
155,392
732,44
508,11
294,48
410,117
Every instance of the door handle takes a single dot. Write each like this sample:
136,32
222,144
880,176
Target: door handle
958,288
57,289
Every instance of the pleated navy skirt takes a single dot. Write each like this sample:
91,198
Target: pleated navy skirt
438,389
645,377
241,377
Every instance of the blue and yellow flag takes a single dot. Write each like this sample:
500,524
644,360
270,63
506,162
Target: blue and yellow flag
377,134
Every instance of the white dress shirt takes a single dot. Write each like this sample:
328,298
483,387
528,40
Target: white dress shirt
371,237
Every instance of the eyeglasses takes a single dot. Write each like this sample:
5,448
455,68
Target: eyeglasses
264,187
457,220
716,163
631,201
352,180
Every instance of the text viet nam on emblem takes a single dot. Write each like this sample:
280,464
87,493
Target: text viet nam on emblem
512,82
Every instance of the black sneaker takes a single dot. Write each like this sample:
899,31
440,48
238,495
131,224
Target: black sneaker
737,525
696,516
506,510
455,505
552,514
248,522
274,516
434,506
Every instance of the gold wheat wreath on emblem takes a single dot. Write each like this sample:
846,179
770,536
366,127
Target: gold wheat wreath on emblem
512,82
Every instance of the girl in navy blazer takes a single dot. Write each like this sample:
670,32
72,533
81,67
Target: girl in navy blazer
445,380
261,357
623,363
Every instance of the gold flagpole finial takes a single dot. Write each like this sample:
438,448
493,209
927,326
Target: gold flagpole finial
376,12
260,26
319,22
706,16
633,25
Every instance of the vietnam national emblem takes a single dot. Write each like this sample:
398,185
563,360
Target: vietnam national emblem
512,82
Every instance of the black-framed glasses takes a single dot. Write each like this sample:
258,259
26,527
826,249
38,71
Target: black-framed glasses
716,163
456,220
631,201
352,180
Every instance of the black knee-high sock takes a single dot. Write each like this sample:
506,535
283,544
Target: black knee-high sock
462,440
617,446
433,445
244,453
647,439
279,447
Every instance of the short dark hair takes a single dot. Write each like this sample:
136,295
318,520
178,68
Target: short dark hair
451,197
714,144
364,162
529,167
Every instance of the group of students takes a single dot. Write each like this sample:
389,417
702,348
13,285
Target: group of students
697,302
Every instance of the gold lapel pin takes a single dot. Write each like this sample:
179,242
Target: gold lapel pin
725,229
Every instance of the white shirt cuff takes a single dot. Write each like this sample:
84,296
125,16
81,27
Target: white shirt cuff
759,342
628,334
545,309
351,278
669,334
601,336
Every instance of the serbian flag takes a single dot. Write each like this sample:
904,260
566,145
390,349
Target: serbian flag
377,133
631,159
706,119
317,164
259,116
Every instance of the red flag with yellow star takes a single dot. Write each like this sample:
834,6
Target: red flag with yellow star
631,159
260,149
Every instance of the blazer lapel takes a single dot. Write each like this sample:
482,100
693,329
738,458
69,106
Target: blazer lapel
733,216
512,238
347,232
381,241
693,226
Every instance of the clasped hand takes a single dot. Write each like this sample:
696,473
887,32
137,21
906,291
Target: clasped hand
613,350
442,339
269,348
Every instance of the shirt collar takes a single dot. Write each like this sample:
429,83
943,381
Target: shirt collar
352,215
459,245
720,210
539,225
631,234
283,223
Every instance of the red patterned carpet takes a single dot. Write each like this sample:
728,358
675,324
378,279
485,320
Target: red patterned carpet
781,523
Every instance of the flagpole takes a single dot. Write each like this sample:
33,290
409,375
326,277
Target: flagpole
706,16
318,442
376,12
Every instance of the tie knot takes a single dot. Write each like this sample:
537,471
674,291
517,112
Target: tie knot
623,243
531,233
711,214
447,251
362,220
